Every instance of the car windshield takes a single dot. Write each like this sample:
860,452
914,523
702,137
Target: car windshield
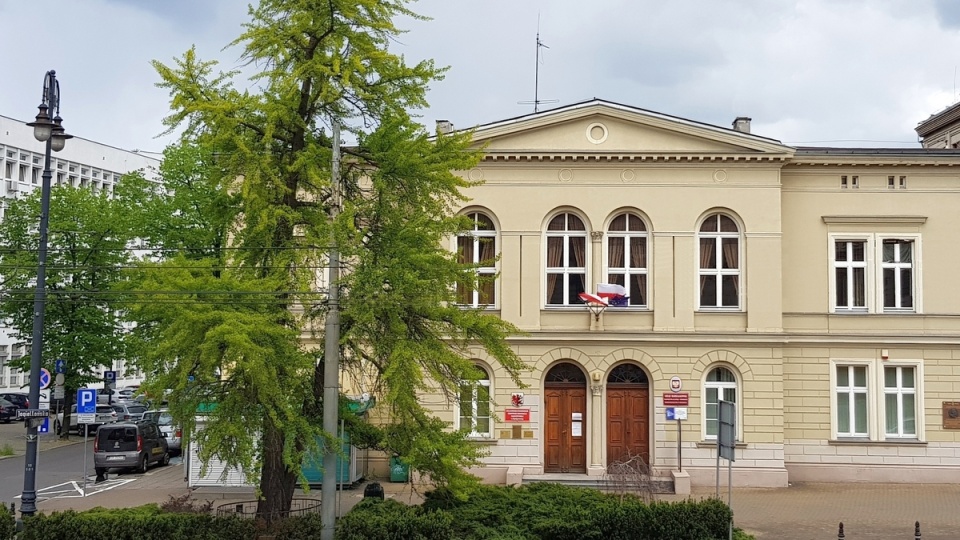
104,409
136,409
162,418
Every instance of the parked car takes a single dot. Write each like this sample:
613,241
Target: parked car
8,412
129,445
128,392
173,433
107,396
129,411
104,415
19,399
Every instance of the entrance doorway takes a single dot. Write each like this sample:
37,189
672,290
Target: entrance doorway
565,406
628,414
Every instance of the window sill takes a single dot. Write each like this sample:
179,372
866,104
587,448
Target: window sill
713,444
732,310
482,440
868,442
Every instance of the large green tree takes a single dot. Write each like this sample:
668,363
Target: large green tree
88,246
236,332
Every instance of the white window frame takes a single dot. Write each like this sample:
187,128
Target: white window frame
876,400
477,234
874,271
899,391
627,271
721,387
474,402
565,271
719,271
896,266
849,266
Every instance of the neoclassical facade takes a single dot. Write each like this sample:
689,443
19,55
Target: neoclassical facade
813,287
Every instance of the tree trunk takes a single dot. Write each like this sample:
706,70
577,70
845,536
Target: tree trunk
277,482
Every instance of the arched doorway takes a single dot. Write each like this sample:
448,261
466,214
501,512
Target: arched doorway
628,414
565,419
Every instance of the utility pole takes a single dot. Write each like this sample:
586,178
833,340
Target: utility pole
331,357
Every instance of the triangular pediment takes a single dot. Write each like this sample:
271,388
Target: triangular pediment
600,127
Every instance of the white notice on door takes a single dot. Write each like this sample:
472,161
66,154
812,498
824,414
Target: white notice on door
577,429
577,417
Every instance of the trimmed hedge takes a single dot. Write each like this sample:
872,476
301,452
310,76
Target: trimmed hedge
538,511
141,523
8,523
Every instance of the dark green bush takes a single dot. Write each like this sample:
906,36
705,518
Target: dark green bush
8,523
392,520
546,511
141,523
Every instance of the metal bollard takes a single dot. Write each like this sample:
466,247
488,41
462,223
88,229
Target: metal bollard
916,531
840,535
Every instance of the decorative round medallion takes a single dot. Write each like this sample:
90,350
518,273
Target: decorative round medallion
475,174
720,176
596,133
628,175
565,175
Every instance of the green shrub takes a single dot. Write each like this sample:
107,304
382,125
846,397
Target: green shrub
8,523
543,511
141,523
391,520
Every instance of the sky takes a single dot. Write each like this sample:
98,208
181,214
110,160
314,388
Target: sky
808,72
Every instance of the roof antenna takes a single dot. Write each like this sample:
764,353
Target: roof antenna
536,80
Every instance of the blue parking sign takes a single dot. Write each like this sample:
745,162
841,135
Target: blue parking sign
86,401
45,426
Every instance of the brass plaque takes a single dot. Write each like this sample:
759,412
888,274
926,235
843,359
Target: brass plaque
528,434
951,415
517,432
506,434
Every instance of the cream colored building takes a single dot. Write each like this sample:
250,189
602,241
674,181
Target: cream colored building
811,286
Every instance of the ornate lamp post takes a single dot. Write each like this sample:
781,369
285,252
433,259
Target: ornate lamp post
52,133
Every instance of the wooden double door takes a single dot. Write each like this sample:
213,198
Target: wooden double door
566,429
628,422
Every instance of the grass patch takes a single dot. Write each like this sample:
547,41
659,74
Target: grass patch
6,450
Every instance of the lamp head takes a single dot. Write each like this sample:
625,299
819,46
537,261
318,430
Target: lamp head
42,126
58,136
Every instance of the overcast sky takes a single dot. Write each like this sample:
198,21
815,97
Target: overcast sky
809,72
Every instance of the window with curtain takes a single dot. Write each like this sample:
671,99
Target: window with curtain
566,260
851,392
627,257
475,405
850,272
720,385
719,262
900,401
478,249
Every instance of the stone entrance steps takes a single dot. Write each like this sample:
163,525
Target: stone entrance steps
603,483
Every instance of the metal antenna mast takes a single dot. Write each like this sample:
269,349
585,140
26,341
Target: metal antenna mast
536,78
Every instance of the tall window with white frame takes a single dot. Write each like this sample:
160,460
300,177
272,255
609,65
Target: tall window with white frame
850,268
627,257
475,405
566,260
897,266
719,263
852,401
900,401
478,249
720,385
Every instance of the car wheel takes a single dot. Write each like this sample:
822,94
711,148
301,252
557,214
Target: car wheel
142,468
165,460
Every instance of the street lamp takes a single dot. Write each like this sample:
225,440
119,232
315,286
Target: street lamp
52,133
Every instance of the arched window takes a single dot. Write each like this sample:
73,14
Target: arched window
627,257
719,263
478,248
566,260
475,405
720,385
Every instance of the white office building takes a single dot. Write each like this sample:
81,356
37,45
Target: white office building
82,163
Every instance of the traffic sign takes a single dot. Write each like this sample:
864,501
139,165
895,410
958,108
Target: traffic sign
32,413
45,426
58,392
60,365
59,379
86,418
86,401
110,376
44,378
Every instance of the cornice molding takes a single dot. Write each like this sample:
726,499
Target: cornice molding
621,157
874,220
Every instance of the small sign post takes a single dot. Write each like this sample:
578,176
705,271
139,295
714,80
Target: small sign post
86,414
678,414
726,442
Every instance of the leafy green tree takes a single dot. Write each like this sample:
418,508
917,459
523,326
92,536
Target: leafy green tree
238,334
88,240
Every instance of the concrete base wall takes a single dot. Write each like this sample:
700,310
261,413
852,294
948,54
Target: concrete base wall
742,476
890,474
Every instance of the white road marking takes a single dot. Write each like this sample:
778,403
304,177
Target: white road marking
75,490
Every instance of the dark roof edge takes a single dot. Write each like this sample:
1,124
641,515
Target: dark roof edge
938,120
839,151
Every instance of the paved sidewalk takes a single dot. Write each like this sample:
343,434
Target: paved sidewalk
798,512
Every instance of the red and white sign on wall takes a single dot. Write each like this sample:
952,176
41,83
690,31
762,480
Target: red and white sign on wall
676,399
516,415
